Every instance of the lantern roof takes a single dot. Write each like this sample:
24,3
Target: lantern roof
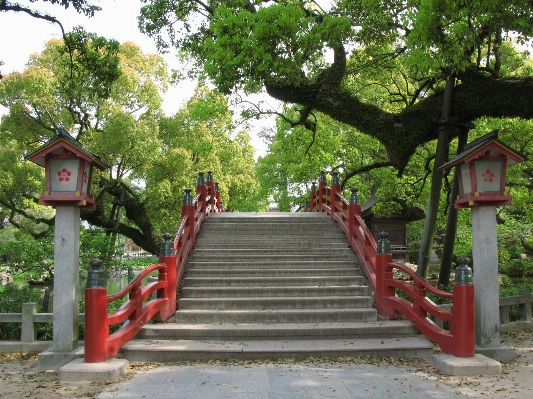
487,143
63,140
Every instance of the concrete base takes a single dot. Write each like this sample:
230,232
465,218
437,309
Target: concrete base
53,361
24,347
78,370
502,353
466,366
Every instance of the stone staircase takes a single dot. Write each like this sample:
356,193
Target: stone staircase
274,285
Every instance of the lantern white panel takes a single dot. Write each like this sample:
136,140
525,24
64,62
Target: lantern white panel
64,174
86,177
489,175
466,183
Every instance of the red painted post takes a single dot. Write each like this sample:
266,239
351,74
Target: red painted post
187,208
383,290
96,330
168,257
354,208
322,184
210,183
312,197
202,191
464,340
334,189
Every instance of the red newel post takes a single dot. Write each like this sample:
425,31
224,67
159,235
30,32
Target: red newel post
168,257
313,197
187,208
464,340
322,184
334,189
96,329
210,183
201,190
354,208
383,273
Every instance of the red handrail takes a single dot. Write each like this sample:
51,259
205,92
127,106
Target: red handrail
135,312
459,340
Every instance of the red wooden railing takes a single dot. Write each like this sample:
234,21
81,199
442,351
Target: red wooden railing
137,311
377,266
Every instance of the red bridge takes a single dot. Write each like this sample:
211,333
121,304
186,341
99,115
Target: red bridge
251,301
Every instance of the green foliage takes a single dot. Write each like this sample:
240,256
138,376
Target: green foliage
109,96
11,299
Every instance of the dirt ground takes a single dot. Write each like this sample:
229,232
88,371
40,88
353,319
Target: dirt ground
20,378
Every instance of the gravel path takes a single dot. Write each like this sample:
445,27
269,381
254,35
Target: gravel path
308,378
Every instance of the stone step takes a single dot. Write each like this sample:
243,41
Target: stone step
280,244
275,303
276,315
293,264
266,273
276,252
191,350
303,230
288,217
236,292
258,331
272,281
260,257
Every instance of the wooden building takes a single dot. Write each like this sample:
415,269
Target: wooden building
395,225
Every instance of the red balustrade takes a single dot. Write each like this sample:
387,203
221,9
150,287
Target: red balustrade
378,268
137,310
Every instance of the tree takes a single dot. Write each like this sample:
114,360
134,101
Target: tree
81,6
109,96
280,46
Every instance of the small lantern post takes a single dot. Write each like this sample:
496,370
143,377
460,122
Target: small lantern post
481,170
68,168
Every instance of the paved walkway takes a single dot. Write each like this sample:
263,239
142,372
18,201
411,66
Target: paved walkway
277,381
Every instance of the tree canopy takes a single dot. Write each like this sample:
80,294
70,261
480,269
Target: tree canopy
281,47
108,95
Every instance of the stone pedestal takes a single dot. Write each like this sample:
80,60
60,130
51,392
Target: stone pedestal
66,283
486,294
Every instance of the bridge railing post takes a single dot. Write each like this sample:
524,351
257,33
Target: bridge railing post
167,256
187,208
354,208
463,329
96,329
322,184
334,189
383,290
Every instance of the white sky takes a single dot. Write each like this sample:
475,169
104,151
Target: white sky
22,35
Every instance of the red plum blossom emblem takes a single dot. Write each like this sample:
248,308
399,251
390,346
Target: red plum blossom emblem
64,174
84,176
488,176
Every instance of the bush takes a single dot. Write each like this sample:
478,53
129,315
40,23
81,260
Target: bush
11,301
518,268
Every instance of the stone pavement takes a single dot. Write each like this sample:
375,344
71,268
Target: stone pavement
199,381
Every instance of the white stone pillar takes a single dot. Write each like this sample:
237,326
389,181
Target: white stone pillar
485,269
66,278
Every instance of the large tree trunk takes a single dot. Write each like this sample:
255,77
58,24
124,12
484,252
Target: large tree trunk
436,181
451,223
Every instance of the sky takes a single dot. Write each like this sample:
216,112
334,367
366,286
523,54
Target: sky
22,35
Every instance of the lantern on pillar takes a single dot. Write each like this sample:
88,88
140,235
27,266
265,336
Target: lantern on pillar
481,170
68,167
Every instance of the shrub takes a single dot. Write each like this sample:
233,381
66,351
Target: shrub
11,301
